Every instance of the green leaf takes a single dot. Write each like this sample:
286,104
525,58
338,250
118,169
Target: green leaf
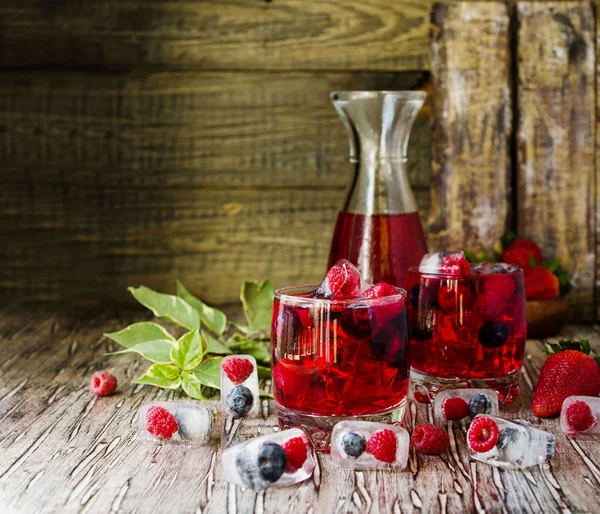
597,359
140,333
552,265
189,350
161,375
257,300
192,386
508,238
211,318
155,351
264,394
242,328
213,345
209,372
257,349
533,262
167,306
263,372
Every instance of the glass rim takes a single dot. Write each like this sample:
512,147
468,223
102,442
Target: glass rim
415,269
345,96
284,292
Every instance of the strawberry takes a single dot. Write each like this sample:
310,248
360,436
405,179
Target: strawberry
521,252
541,284
571,371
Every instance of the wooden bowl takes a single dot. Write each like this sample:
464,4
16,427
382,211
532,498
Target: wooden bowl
545,318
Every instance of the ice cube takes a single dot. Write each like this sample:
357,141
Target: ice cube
239,386
445,263
342,281
474,401
174,422
518,444
350,440
274,460
493,268
580,415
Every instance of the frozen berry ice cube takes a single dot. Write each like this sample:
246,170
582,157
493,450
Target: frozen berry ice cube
493,268
445,263
174,422
580,415
342,281
239,386
451,403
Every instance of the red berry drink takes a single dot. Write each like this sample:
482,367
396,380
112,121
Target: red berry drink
467,328
336,359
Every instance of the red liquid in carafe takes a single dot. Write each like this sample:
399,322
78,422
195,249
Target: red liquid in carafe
383,246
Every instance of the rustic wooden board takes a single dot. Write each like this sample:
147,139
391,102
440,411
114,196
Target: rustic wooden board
471,124
64,450
555,140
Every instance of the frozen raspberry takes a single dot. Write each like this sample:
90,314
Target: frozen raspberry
161,423
421,397
383,445
296,452
455,264
342,281
380,290
455,409
238,370
428,438
579,416
103,383
454,299
483,434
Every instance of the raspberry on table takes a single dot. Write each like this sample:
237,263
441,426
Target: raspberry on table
103,383
455,409
296,453
579,416
430,439
161,423
383,445
237,369
483,434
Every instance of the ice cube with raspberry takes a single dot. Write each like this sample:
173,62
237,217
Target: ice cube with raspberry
343,281
508,444
445,263
274,460
580,416
369,445
239,386
459,404
174,422
493,268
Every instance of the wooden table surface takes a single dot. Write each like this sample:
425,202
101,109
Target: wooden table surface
64,450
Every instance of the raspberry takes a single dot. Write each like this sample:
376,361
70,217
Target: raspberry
103,383
342,281
295,450
503,286
428,438
455,409
421,397
579,416
237,369
383,445
483,434
161,423
455,264
453,299
489,306
380,290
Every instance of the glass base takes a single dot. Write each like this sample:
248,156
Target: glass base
424,387
319,427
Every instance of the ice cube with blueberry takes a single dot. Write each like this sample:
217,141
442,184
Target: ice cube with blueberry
445,263
369,445
493,268
508,444
343,281
239,386
174,422
274,460
458,404
580,416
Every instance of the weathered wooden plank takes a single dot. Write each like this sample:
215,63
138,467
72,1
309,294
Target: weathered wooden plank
471,113
555,139
64,450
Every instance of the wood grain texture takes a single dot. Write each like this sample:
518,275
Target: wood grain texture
471,124
65,450
555,139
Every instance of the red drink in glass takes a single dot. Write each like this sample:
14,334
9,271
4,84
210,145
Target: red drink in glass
338,359
467,331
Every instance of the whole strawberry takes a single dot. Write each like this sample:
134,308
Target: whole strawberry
541,284
568,372
522,252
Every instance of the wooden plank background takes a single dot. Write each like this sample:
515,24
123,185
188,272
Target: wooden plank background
146,140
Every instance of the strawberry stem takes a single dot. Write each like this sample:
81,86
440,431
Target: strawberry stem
580,345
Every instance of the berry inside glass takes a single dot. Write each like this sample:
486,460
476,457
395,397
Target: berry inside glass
338,358
467,328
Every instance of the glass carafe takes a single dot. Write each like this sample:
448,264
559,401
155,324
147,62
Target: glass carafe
379,229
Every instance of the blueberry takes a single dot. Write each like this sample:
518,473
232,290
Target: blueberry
493,334
507,437
354,444
272,461
415,292
239,400
480,404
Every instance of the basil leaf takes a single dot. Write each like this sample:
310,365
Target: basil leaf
257,349
263,372
257,300
188,351
192,386
139,333
167,306
213,345
155,351
211,318
264,394
161,375
209,372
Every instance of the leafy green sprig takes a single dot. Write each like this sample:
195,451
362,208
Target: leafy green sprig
193,361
